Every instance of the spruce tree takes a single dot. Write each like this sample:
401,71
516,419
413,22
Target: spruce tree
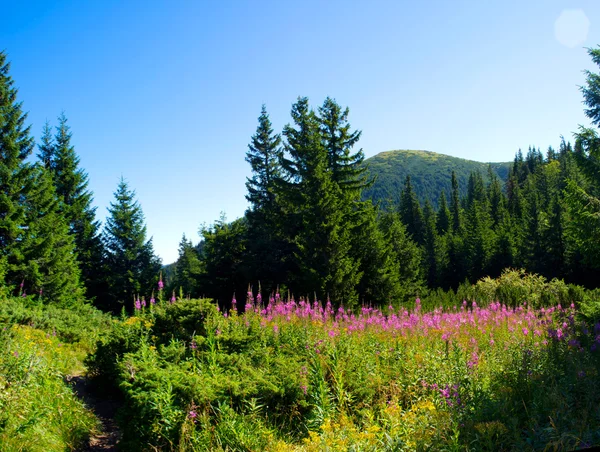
132,267
47,259
188,269
443,219
71,182
347,169
266,247
35,247
323,242
455,208
410,212
46,147
16,175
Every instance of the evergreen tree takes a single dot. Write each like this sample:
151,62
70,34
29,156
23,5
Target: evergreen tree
46,260
347,169
584,201
16,178
188,269
46,147
410,212
431,246
443,219
266,246
404,257
223,252
71,182
34,244
455,208
318,205
131,264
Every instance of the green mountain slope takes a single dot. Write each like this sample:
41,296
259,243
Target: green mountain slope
429,172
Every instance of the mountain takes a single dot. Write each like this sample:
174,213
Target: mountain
429,173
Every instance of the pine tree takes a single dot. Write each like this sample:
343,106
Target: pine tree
443,219
318,205
431,246
266,247
46,147
188,269
47,260
455,208
223,256
347,170
35,247
404,258
132,266
71,182
584,201
16,175
410,212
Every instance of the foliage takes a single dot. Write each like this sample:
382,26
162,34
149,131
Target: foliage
430,174
39,346
132,266
58,157
296,375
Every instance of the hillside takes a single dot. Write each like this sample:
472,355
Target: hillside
430,173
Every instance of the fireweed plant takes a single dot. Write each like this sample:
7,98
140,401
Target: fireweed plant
299,375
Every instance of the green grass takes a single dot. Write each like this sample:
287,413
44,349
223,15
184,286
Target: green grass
39,346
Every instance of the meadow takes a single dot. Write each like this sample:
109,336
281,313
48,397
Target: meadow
300,375
281,373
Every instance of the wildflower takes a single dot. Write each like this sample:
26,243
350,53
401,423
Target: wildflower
173,299
143,302
193,345
525,331
24,293
137,304
160,282
16,354
192,414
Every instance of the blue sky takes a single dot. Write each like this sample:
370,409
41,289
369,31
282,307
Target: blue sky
167,94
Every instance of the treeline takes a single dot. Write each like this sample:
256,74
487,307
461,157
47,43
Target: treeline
307,230
51,245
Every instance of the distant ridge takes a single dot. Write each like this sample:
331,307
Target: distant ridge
430,172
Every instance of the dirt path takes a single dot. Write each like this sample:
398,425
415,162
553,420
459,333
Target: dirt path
104,408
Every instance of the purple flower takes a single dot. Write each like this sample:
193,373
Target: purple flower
137,305
152,300
160,283
192,414
193,345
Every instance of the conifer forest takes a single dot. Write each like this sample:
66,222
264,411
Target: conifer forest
456,307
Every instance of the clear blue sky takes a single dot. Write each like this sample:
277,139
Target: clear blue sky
167,94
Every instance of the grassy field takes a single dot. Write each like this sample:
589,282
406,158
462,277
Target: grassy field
303,376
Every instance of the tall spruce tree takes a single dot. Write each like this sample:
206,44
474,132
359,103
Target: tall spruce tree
584,202
266,247
132,267
34,244
323,243
59,157
47,259
16,179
